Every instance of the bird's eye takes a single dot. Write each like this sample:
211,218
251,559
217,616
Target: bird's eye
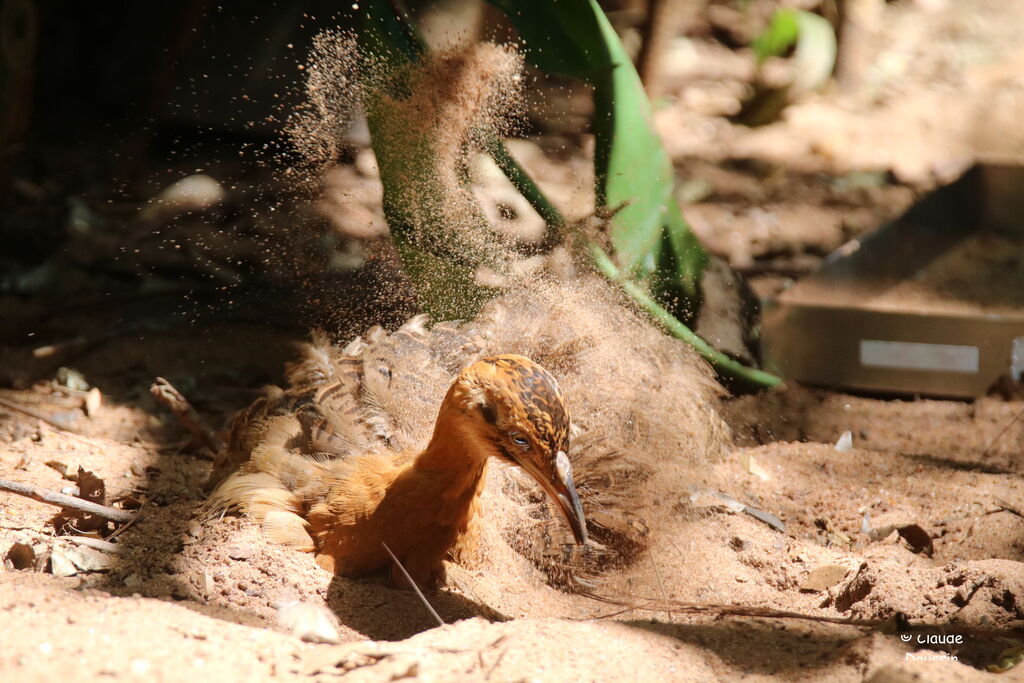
520,440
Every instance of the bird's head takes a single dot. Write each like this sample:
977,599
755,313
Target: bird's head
514,411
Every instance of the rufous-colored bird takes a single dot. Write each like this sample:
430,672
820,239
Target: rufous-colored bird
322,475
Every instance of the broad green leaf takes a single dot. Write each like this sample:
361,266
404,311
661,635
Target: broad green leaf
634,174
386,34
560,37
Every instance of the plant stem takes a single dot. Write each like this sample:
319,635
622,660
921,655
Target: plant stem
719,360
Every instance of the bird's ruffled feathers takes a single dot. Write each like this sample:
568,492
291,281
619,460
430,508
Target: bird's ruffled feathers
381,393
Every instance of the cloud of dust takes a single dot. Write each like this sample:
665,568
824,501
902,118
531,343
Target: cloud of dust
644,406
427,121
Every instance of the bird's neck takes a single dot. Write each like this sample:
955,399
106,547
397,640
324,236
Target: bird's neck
454,461
454,454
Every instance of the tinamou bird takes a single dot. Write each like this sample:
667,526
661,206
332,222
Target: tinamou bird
387,440
321,477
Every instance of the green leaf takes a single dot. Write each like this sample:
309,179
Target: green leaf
722,363
562,37
634,175
780,35
386,33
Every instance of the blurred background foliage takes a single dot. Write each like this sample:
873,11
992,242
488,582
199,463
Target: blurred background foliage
126,84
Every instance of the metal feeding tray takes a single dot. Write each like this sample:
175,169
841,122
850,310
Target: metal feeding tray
932,303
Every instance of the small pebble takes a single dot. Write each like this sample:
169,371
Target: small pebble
309,622
845,442
239,553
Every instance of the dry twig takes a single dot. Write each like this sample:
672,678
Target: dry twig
4,403
55,498
1000,434
897,623
164,392
440,621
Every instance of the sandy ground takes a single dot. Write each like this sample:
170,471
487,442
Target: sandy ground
916,527
187,597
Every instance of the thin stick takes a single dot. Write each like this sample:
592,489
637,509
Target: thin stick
440,621
164,392
55,498
1000,434
652,605
899,622
661,584
37,415
124,527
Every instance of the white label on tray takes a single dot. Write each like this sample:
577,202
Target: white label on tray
1017,359
918,356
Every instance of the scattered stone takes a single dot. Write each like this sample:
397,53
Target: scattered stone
196,192
72,379
822,578
240,553
93,401
60,564
308,621
140,667
845,442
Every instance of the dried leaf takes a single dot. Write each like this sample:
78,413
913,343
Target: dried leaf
920,541
88,559
22,556
93,400
60,564
823,578
768,518
753,467
91,488
60,467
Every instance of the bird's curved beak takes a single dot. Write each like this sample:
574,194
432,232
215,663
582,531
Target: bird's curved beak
568,500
